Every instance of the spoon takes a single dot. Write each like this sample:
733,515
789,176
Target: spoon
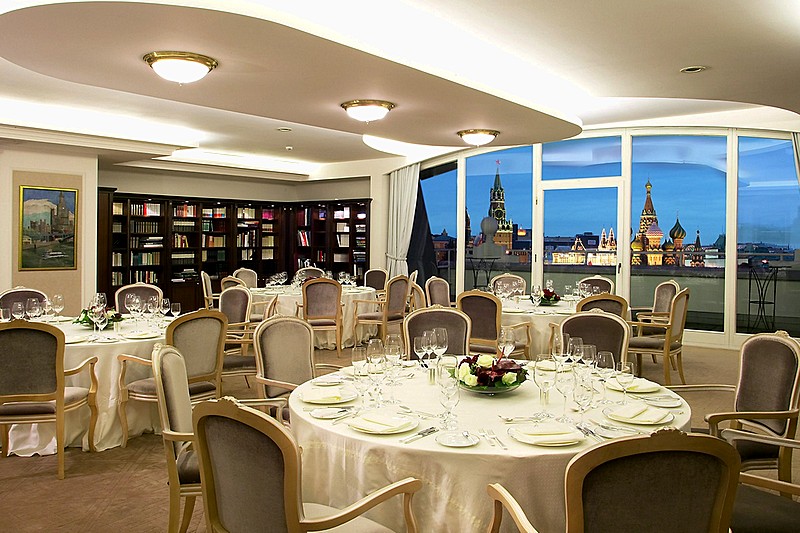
511,419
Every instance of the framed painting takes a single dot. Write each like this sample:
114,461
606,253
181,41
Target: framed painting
48,218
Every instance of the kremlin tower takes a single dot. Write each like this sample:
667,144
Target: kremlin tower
497,210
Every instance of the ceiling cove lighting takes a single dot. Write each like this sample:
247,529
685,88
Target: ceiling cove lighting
478,137
367,110
180,67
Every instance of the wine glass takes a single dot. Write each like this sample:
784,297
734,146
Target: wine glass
32,308
573,348
544,375
175,309
586,355
358,358
506,342
582,394
419,349
448,389
560,347
47,309
58,304
133,304
375,367
5,314
624,377
99,300
440,342
605,368
152,309
392,354
17,310
428,342
536,295
393,339
565,385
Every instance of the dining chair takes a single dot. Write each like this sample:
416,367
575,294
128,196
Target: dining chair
437,291
209,296
766,400
235,303
376,278
603,284
200,337
662,299
390,311
309,272
610,303
416,298
607,331
486,314
285,357
756,510
505,278
248,276
669,345
250,467
33,387
230,281
322,307
143,290
672,482
20,294
457,324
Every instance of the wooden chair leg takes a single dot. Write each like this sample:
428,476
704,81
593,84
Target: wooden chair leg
338,340
639,365
174,509
92,425
679,360
188,509
4,436
667,363
60,443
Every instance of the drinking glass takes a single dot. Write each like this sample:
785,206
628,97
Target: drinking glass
625,376
587,353
583,393
17,310
134,305
573,348
605,368
152,309
544,375
5,314
536,295
33,309
428,342
375,368
358,359
506,342
58,304
419,349
165,307
565,385
568,292
560,347
440,342
47,309
99,300
175,309
393,339
392,353
448,389
549,284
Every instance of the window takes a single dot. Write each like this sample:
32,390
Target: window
438,186
593,157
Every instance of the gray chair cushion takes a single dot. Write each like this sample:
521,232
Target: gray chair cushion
379,316
482,348
317,322
650,343
147,387
758,511
71,395
188,466
239,362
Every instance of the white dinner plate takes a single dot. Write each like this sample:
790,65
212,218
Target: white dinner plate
105,340
328,413
345,396
516,311
140,336
347,371
457,439
407,425
549,441
76,340
329,380
609,413
640,386
662,402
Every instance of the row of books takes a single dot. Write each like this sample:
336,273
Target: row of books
184,210
144,226
215,212
183,225
214,241
147,209
247,239
246,212
145,258
151,241
180,241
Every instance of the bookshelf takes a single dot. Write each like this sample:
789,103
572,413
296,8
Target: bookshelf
215,229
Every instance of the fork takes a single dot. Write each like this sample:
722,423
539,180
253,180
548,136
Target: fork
491,434
482,433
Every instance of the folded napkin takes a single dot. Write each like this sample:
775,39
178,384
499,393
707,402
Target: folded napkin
547,428
322,394
638,385
377,422
548,434
639,413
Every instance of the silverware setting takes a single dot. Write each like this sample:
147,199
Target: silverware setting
421,414
496,439
419,435
482,433
514,419
612,427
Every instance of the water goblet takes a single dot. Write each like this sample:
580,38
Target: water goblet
560,350
506,342
164,309
17,310
175,309
448,389
605,368
58,304
419,349
573,348
47,309
624,377
440,342
428,342
565,385
544,375
393,339
33,309
392,355
583,393
5,314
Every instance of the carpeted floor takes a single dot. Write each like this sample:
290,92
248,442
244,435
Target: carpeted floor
124,489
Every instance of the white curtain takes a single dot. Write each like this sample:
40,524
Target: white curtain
796,146
403,184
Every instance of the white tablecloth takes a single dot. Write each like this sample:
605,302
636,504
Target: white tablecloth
539,319
289,298
29,439
341,465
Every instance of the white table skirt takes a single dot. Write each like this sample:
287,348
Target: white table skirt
539,318
341,465
30,439
289,298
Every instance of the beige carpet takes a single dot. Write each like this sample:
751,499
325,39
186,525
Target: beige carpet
124,490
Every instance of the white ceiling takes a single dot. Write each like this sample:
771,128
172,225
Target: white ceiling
536,70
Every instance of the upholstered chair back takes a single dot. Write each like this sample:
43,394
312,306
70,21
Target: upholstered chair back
322,298
235,304
31,359
248,276
396,294
309,272
680,306
230,281
607,331
457,324
484,310
200,338
416,297
438,291
663,295
769,374
207,289
144,291
172,390
284,349
506,277
20,294
602,284
375,278
610,303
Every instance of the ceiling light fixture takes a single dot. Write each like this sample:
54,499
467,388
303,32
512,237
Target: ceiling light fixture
367,110
180,67
478,137
694,69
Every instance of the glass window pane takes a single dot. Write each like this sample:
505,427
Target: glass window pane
582,158
678,222
768,228
499,206
579,235
439,192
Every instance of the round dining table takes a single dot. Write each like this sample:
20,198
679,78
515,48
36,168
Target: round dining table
342,464
290,297
539,319
126,338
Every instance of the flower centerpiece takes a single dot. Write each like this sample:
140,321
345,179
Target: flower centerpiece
85,319
549,297
489,375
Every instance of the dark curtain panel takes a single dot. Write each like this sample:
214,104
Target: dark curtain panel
421,256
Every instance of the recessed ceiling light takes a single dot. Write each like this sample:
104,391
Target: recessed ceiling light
284,129
693,69
367,110
180,67
478,137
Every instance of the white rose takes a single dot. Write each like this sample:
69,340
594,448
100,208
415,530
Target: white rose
509,378
485,361
470,380
463,371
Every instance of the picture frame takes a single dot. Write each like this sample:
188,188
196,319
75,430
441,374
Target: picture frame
48,223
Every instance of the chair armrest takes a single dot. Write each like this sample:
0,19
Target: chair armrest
278,403
503,499
124,358
275,383
713,419
297,308
177,436
709,387
89,361
407,487
732,435
327,366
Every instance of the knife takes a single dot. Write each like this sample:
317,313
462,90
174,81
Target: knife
419,435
